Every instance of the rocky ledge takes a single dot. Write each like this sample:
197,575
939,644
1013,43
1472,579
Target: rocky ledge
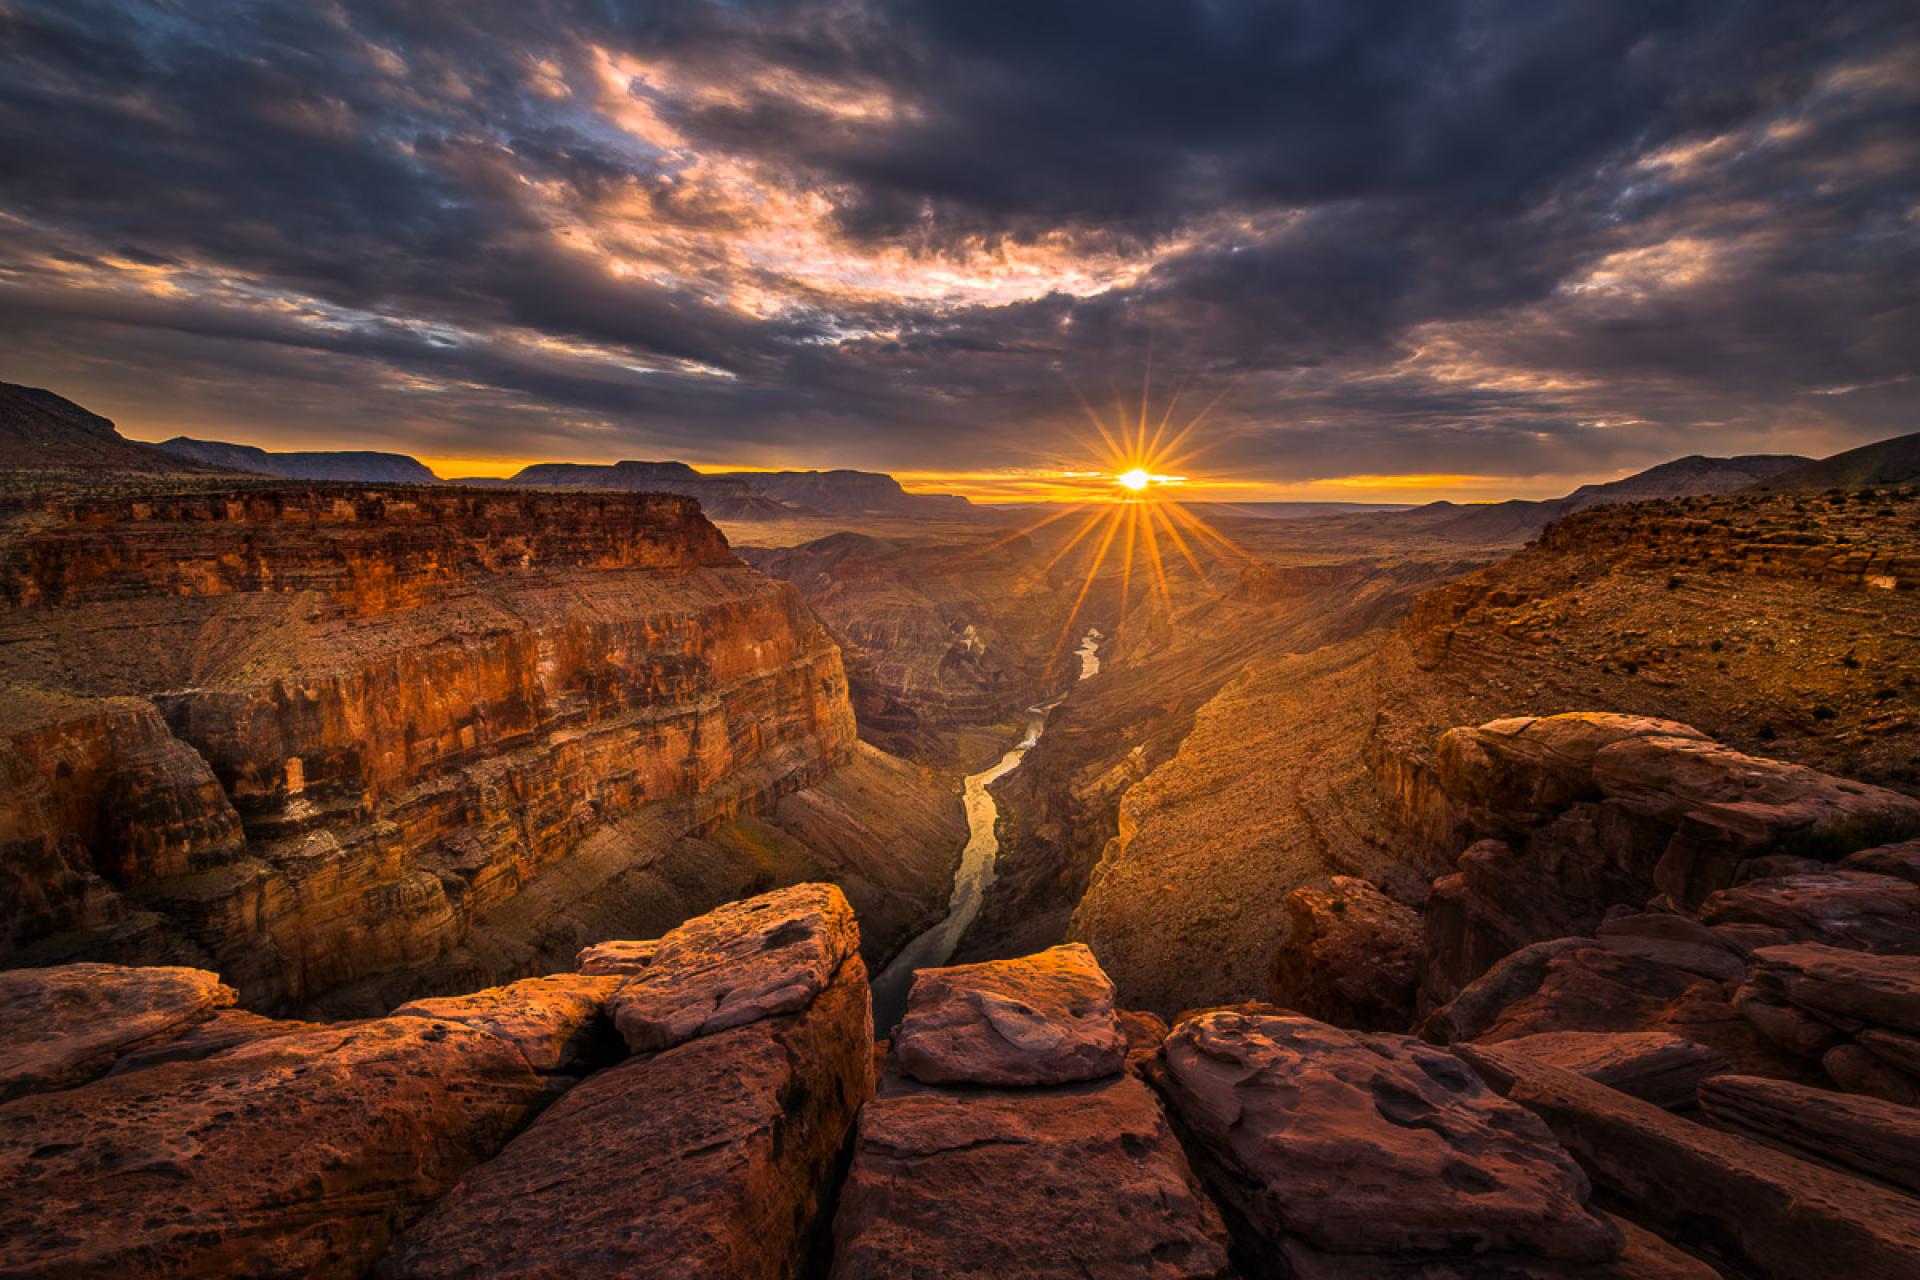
713,1106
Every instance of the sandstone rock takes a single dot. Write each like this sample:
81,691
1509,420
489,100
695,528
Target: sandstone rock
616,957
1858,1069
1672,940
1833,983
66,1025
1840,908
1366,1144
1766,1213
1896,1048
1784,1025
706,1161
1076,1181
226,1029
1727,806
1875,1137
1351,957
1902,861
1144,1032
745,961
1643,1256
1475,1008
1044,1019
1655,1066
554,1020
295,1155
1522,766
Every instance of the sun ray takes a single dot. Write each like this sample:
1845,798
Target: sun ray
1093,570
1093,520
1181,543
1153,558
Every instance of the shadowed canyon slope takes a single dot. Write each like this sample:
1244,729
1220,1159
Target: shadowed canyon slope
347,745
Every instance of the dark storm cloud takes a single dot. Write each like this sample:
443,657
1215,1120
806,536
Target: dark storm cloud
1484,238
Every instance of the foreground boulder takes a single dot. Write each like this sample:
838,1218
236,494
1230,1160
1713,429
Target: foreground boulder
1351,956
1035,1155
1764,1212
1081,1180
709,1158
67,1025
1371,1146
295,1155
742,962
1044,1019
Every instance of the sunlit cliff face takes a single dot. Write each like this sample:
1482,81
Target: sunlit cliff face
1455,251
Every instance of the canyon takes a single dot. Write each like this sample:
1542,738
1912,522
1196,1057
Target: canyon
449,880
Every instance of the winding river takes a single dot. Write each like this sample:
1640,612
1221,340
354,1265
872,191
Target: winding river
975,874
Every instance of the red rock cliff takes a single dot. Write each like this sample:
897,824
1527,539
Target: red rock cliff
304,735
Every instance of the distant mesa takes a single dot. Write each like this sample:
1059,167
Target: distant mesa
750,494
352,466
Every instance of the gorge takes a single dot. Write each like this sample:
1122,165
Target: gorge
510,865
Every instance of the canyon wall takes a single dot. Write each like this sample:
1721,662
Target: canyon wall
947,641
1783,626
349,744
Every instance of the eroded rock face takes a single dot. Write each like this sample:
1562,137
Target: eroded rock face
1765,1212
708,1160
554,1021
1371,1144
1043,1019
1073,1181
1352,956
742,962
294,1155
64,1026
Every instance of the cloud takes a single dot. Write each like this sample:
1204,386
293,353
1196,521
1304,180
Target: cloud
1480,239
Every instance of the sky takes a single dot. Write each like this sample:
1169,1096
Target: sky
1394,251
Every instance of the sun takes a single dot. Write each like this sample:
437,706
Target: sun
1135,479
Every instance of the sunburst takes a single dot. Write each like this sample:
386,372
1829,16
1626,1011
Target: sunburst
1141,524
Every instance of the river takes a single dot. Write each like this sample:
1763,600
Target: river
975,874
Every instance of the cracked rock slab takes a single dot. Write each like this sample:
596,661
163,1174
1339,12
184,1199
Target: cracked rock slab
1042,1019
742,962
1371,1144
707,1161
1024,1184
